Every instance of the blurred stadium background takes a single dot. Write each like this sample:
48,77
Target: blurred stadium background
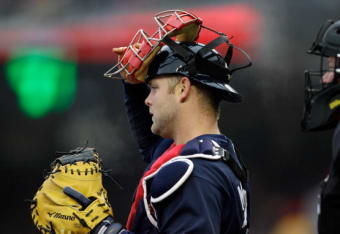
53,97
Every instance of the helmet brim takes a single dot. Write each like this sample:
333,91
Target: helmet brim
223,90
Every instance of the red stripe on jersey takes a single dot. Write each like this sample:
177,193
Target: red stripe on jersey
170,153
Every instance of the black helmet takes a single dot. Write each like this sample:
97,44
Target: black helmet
327,42
200,63
322,100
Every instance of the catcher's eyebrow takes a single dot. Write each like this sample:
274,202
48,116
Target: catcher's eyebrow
150,83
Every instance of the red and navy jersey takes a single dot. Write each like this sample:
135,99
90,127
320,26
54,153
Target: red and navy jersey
185,189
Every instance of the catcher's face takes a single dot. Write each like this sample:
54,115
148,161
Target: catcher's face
163,107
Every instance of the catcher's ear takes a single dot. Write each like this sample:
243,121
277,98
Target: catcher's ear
184,86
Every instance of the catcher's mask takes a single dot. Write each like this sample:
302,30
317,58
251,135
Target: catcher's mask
134,63
322,100
200,63
172,50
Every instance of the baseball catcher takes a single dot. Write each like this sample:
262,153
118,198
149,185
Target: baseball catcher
195,181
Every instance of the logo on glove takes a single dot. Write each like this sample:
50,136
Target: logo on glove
60,216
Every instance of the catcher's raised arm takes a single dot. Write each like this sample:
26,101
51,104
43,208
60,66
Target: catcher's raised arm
72,198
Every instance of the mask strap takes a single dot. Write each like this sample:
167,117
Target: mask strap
216,70
184,53
212,45
247,57
229,53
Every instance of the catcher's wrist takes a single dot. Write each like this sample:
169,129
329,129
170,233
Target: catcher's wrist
107,226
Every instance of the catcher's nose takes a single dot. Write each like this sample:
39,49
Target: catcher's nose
147,101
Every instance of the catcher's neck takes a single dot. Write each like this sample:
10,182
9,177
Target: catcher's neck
194,116
192,124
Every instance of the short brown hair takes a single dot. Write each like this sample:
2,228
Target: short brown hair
173,81
209,98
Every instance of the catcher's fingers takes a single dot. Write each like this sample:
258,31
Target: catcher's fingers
80,198
119,50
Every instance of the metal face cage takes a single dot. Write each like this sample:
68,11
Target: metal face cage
171,20
313,79
317,114
142,45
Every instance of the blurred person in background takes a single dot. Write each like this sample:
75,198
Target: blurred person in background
322,112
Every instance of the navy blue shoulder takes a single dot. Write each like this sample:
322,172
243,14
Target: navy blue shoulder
173,174
205,144
211,144
169,178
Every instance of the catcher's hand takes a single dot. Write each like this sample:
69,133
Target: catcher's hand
72,198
